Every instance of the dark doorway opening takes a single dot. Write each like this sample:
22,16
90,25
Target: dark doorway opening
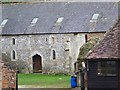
37,64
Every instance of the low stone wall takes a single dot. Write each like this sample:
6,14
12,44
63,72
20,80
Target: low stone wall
9,78
1,64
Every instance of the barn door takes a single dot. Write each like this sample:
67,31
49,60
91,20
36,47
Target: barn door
37,64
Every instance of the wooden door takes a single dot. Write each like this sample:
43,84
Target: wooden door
37,64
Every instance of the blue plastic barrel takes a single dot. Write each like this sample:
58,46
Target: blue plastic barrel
73,81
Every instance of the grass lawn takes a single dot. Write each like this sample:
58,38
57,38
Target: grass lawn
43,80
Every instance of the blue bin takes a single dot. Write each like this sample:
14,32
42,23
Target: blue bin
73,81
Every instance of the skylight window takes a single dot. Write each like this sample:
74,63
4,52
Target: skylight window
4,22
34,21
94,18
60,20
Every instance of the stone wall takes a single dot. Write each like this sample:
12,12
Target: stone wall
8,77
66,47
1,64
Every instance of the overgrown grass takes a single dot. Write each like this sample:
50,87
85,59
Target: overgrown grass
43,80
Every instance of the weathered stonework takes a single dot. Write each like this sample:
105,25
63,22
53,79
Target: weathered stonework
50,34
66,47
8,77
1,64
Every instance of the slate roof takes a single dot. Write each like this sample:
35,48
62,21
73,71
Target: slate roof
109,47
77,16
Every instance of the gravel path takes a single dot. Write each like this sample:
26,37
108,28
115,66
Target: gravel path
31,87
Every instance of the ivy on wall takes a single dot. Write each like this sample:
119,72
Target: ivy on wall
86,48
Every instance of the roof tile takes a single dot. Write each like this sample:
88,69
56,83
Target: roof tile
76,15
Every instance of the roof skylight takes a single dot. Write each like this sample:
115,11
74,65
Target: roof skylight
34,21
94,18
59,20
4,22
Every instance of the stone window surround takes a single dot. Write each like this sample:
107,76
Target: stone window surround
51,57
13,58
13,41
34,53
54,54
52,39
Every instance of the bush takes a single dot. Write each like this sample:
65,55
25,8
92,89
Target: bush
86,48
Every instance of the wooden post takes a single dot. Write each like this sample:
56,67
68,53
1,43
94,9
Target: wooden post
82,80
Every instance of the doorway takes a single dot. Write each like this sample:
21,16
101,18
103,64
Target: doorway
37,64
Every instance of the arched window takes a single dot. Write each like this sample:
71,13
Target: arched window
13,41
86,38
54,54
13,55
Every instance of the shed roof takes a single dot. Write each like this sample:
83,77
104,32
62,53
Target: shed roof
109,47
76,17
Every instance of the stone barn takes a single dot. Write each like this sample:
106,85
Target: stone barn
46,37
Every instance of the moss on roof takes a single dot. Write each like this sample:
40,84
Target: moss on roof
86,48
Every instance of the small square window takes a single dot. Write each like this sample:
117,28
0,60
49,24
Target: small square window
107,68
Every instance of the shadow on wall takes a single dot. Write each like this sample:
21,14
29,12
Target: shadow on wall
19,65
